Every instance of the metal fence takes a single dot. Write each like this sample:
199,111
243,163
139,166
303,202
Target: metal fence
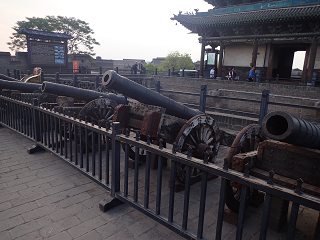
87,147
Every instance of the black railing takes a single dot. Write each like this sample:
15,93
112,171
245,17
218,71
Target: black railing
86,147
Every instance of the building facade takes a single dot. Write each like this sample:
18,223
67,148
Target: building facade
261,33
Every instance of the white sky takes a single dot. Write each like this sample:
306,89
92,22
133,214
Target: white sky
124,28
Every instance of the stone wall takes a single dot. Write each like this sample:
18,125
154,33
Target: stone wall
292,94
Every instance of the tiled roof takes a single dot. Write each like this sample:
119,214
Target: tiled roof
44,33
270,15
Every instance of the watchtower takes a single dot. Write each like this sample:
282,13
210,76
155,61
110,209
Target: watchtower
261,33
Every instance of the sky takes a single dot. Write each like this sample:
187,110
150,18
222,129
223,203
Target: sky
125,29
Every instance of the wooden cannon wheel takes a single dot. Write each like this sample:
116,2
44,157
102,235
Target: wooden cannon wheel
97,111
201,135
247,140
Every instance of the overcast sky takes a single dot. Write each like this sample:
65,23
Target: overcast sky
124,28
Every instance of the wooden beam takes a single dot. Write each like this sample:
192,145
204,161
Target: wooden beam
312,58
203,45
220,59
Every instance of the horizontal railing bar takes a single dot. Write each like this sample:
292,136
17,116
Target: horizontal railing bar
256,183
294,105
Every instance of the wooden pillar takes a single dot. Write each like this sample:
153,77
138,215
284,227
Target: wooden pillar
254,53
220,59
270,63
203,45
305,65
312,58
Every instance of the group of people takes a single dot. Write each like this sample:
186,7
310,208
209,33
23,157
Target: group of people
138,67
232,75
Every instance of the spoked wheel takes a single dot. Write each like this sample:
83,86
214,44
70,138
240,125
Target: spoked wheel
201,136
132,155
247,140
98,111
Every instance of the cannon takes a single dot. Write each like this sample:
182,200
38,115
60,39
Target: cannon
286,147
188,130
151,114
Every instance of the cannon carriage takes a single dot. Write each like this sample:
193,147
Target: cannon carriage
284,151
150,114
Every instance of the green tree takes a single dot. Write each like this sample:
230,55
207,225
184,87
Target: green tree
81,43
177,60
150,67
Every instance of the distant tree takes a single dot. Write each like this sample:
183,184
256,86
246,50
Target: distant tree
178,61
296,69
150,67
81,43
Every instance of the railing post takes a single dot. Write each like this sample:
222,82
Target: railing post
42,76
96,82
156,71
306,81
56,79
75,80
100,70
117,69
169,72
277,78
18,74
8,72
36,117
314,79
157,86
203,98
198,73
183,72
115,178
264,105
15,73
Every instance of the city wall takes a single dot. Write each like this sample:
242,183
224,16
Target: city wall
292,94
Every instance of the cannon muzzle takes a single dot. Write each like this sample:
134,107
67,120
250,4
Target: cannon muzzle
287,128
20,86
123,85
78,93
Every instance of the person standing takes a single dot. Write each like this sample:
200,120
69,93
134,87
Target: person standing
140,67
213,72
251,74
231,74
135,67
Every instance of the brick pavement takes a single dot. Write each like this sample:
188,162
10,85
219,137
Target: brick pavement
42,197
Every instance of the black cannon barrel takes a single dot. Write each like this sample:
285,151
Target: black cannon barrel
287,128
123,85
82,94
20,86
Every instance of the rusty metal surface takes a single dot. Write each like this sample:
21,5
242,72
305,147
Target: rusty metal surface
64,101
150,124
290,161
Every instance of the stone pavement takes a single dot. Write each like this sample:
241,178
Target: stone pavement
42,197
